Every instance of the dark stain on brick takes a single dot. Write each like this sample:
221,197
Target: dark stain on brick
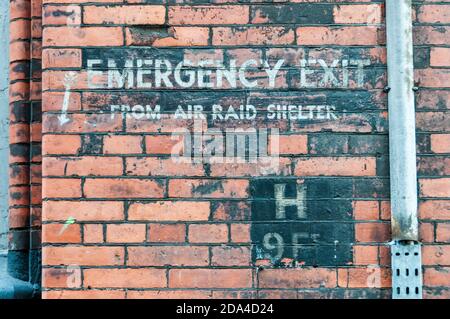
208,187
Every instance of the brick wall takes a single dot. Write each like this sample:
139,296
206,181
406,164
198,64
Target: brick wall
122,220
25,140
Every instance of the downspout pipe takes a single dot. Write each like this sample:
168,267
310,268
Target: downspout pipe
402,127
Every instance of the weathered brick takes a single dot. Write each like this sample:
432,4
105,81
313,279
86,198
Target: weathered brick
126,233
336,166
355,14
440,143
266,35
167,233
208,233
435,277
355,35
122,144
436,255
210,278
297,278
123,188
230,256
443,232
61,144
168,256
93,233
169,211
186,188
208,15
124,278
61,233
434,14
61,15
83,36
82,211
372,232
130,14
83,256
439,187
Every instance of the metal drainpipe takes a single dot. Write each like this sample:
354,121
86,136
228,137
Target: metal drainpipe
405,249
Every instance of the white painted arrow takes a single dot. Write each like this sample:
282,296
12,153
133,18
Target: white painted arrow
69,79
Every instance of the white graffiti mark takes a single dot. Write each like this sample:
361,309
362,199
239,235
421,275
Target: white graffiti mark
69,80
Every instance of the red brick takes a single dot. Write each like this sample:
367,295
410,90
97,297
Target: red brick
434,14
63,15
210,278
61,233
61,144
433,78
291,144
19,9
167,233
188,188
434,209
177,36
365,255
82,256
93,233
19,133
436,277
439,187
440,143
83,294
208,15
152,166
240,233
440,57
20,30
52,101
61,58
168,256
365,210
123,188
83,36
355,35
266,35
208,233
161,144
19,51
126,233
122,144
372,277
19,217
124,278
82,166
169,211
355,14
372,232
297,278
61,188
436,255
169,294
82,211
130,14
82,123
230,256
426,231
385,210
443,232
274,166
61,278
336,166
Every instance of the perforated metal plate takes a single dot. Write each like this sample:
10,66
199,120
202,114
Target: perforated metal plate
406,271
